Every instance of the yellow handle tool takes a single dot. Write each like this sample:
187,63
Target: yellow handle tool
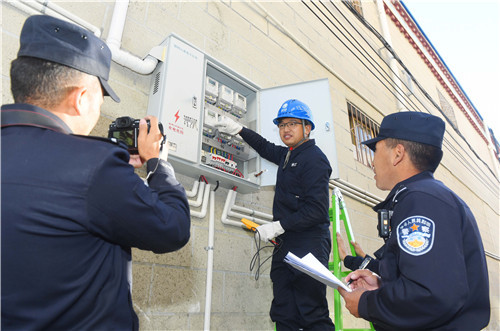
252,226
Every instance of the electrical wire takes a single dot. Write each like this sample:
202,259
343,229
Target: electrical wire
422,89
256,257
390,80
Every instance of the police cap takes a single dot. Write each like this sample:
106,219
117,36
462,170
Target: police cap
49,38
412,126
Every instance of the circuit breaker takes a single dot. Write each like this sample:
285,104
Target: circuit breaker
191,91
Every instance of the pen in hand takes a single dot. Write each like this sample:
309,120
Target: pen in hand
361,267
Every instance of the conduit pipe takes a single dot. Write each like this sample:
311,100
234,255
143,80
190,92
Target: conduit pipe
203,212
357,189
252,212
350,194
357,194
23,7
194,189
142,66
227,205
227,211
210,261
199,199
48,8
240,216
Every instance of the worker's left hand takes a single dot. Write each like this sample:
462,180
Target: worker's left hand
270,231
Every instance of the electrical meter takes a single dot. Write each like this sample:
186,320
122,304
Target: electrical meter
226,96
211,90
239,105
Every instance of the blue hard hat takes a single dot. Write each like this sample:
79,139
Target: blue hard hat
295,109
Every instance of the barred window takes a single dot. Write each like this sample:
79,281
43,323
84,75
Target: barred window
362,128
356,4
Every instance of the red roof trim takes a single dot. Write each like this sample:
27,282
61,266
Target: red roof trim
436,59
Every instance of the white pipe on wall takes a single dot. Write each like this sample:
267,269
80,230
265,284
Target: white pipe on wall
142,66
197,202
210,262
227,206
203,212
194,189
23,7
252,212
44,7
227,211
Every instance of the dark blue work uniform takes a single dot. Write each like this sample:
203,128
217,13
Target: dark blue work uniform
72,208
433,267
301,203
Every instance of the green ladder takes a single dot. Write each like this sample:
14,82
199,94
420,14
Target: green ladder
337,213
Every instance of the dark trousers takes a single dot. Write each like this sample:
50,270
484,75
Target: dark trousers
299,300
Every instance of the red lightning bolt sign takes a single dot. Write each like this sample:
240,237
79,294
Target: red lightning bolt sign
177,116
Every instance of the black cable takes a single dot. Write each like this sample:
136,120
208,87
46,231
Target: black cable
391,50
389,88
256,257
422,90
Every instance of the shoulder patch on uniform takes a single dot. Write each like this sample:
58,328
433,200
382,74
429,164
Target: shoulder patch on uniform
416,235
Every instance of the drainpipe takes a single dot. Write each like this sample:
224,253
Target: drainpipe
390,59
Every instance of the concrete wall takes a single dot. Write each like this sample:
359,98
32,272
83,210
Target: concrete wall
270,43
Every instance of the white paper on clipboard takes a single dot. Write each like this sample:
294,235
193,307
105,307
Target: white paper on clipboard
310,265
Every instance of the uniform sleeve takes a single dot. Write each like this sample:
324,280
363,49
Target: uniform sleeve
266,149
313,204
124,210
420,288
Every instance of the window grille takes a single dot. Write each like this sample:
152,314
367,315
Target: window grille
356,4
362,128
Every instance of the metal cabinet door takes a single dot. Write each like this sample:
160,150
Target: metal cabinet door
315,94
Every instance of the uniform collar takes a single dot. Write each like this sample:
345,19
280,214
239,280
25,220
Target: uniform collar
305,144
23,114
400,186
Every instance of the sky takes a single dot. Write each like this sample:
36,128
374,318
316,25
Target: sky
466,34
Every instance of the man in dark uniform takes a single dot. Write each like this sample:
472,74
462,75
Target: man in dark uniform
433,273
72,206
300,212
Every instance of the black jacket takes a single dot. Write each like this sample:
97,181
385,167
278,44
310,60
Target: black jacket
433,267
72,208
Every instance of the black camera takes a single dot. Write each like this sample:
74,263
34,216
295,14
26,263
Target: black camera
384,223
126,129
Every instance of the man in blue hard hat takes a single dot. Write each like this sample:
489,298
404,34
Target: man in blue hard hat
432,268
300,211
72,206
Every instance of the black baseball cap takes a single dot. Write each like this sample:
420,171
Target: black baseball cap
412,126
49,38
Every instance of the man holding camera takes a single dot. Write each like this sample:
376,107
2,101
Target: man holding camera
432,269
72,206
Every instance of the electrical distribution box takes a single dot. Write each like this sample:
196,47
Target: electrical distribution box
192,91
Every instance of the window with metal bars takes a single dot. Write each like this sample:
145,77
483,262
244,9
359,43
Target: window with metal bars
362,128
356,4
